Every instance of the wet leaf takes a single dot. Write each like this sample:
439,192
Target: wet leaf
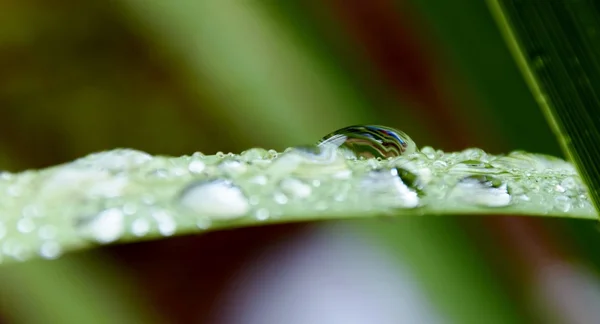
127,195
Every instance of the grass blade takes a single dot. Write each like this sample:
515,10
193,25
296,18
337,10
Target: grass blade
555,44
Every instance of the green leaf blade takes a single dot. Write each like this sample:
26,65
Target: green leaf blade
127,195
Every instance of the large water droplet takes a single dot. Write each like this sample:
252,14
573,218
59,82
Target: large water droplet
218,199
482,190
370,141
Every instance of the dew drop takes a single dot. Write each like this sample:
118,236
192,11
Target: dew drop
562,203
25,225
196,166
254,154
140,227
115,160
370,141
262,214
308,162
569,183
107,226
50,250
130,208
280,198
384,186
218,199
166,223
233,167
480,190
295,188
203,223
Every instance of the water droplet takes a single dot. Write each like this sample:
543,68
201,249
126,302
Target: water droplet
559,188
115,160
140,227
233,167
166,223
262,214
308,162
196,166
254,154
280,198
25,225
429,152
370,141
130,208
384,186
482,190
569,183
295,188
105,227
474,166
203,223
218,199
50,250
439,164
562,203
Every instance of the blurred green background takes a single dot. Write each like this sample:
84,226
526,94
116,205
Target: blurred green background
175,77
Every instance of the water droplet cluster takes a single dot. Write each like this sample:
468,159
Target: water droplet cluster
124,194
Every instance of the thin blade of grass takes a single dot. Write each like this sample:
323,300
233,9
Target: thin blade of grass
556,45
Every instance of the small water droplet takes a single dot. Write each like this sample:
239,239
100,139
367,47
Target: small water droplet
295,188
370,141
262,214
115,160
196,166
130,208
50,250
562,203
218,199
25,225
474,166
233,167
105,227
439,164
569,183
559,188
254,154
429,152
140,227
166,223
280,198
481,190
203,223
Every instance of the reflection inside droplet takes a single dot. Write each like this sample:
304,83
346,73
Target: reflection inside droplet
370,141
